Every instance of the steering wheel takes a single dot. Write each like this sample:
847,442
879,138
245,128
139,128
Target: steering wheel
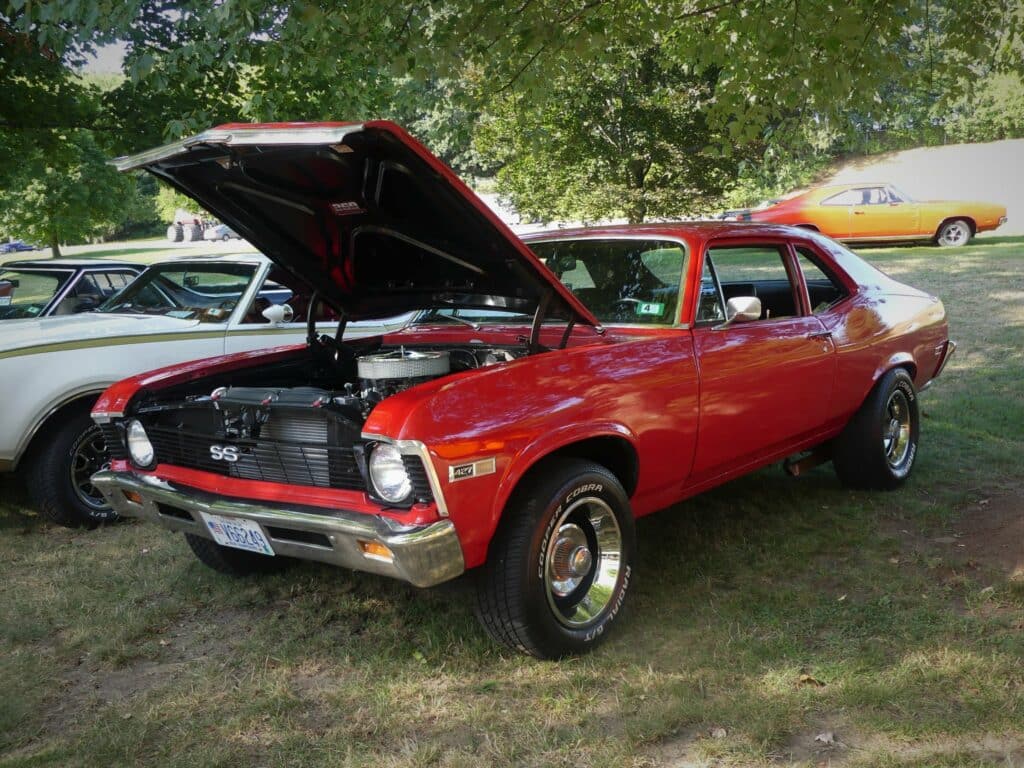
625,308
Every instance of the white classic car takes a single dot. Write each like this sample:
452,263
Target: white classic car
52,372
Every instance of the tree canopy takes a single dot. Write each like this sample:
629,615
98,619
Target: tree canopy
735,80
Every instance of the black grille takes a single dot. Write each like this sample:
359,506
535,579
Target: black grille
418,478
276,461
114,442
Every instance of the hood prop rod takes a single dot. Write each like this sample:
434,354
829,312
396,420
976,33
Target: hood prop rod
534,345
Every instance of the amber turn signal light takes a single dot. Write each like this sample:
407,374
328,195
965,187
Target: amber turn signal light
133,497
376,551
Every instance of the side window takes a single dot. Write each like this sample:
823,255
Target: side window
282,288
112,282
823,288
758,271
848,197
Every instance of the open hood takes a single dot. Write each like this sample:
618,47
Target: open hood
364,214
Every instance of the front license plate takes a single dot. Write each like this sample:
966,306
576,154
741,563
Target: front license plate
238,533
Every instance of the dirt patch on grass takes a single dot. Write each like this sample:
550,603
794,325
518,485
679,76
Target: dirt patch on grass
991,535
988,536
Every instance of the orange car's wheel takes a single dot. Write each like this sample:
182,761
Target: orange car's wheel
954,233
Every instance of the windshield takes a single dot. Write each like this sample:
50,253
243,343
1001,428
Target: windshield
204,292
26,293
629,281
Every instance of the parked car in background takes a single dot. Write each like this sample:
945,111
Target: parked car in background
548,393
16,246
879,213
221,232
51,371
52,287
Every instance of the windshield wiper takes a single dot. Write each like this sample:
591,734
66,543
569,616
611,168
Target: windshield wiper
435,314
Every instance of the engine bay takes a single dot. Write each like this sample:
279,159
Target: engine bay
331,387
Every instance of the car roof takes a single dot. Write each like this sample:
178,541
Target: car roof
216,258
71,264
692,231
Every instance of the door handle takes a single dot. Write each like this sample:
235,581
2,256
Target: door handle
820,335
859,213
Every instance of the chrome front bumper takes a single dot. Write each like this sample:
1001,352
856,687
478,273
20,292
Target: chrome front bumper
422,555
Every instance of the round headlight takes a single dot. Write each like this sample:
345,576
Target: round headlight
138,444
388,475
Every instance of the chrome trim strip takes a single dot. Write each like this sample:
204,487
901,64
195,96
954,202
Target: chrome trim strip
416,448
424,555
950,349
242,136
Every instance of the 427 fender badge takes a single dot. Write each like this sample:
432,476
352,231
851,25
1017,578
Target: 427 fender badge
475,469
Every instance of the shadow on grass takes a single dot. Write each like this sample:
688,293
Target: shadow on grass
15,505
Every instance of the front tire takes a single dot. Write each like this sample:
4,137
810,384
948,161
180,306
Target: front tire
954,234
560,563
59,473
233,562
877,449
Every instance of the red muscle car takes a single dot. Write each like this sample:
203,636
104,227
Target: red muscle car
549,393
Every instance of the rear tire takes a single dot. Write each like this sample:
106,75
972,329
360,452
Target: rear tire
955,233
877,449
233,562
560,563
58,474
175,233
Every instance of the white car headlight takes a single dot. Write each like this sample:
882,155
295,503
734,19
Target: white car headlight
138,444
388,475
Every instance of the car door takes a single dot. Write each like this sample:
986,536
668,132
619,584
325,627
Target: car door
765,384
832,215
881,213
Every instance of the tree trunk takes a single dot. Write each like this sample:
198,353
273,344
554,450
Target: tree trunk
55,246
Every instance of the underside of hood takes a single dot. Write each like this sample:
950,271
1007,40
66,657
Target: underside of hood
364,214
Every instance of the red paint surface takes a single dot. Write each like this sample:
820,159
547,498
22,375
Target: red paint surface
698,406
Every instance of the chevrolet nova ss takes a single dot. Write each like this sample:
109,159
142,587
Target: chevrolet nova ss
548,393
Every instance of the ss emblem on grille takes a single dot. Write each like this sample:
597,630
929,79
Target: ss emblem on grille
224,453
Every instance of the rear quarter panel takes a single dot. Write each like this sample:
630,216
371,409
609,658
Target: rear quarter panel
875,332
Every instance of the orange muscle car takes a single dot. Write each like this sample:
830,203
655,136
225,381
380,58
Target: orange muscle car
879,212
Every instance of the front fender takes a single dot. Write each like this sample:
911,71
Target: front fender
546,445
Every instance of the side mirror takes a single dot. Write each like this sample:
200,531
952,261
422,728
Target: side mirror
279,313
743,309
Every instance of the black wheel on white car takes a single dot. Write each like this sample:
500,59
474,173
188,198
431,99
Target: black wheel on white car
878,447
954,233
60,471
234,562
175,233
560,564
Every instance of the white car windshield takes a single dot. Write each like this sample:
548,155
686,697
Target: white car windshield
204,292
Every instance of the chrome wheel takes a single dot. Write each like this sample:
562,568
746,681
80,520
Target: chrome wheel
582,562
896,429
954,233
89,456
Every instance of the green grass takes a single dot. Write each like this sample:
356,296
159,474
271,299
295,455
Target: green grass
120,648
